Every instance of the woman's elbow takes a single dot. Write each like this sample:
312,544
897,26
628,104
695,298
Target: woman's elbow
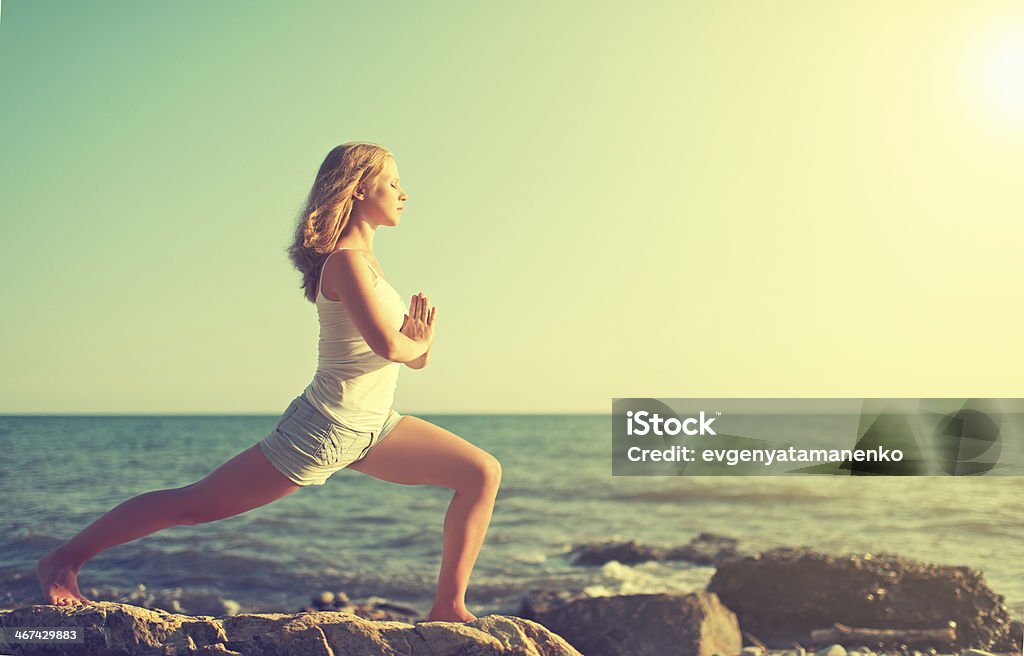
392,355
384,349
418,363
392,351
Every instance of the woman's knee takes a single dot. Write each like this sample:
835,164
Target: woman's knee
494,470
485,472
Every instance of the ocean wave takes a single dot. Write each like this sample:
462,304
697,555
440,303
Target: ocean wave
987,527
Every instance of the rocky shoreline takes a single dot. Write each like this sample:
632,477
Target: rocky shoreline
782,602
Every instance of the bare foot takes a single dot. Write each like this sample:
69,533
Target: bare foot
449,614
59,581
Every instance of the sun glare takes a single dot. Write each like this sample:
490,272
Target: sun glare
1000,74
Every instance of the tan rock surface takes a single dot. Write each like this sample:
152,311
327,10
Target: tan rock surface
113,629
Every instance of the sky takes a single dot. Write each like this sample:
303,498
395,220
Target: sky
646,199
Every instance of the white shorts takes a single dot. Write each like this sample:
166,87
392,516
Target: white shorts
307,447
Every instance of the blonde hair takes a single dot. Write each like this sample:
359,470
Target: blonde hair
329,205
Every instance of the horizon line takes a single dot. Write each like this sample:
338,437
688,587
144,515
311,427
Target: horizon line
272,414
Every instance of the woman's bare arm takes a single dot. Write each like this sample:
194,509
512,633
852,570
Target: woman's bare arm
419,362
354,283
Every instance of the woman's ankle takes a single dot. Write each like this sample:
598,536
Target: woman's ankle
64,556
449,605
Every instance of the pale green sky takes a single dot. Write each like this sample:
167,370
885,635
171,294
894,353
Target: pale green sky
605,199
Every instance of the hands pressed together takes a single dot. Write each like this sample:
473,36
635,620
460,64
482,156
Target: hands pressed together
419,322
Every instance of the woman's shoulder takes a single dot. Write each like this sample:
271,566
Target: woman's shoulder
343,264
349,257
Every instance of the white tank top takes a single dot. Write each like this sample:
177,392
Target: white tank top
353,386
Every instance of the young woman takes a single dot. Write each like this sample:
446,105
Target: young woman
344,416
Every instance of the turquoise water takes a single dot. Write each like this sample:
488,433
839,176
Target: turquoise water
370,538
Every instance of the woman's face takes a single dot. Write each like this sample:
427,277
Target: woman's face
385,198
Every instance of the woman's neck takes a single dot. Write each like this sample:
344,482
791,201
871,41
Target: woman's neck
357,236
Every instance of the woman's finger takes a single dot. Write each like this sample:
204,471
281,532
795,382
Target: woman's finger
433,315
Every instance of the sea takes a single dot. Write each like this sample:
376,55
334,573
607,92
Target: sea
375,540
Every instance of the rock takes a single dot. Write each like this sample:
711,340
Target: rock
373,608
540,601
382,611
113,629
177,600
624,552
646,625
831,650
388,607
1015,640
706,549
783,594
752,651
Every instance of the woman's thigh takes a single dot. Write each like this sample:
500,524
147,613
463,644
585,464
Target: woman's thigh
416,452
244,482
